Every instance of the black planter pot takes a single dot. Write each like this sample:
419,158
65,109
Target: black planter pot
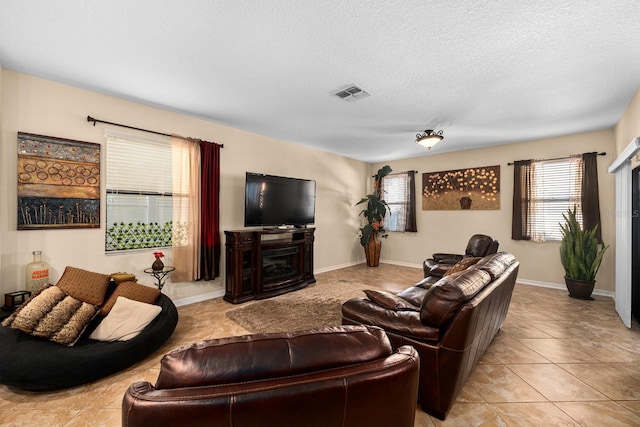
580,289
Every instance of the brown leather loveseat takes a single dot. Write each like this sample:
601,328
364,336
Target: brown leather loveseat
337,376
450,323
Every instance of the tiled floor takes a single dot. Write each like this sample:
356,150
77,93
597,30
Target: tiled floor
557,361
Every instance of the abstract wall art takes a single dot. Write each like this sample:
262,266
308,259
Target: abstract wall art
475,188
58,183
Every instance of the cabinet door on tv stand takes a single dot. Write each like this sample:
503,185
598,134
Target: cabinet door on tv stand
248,272
240,273
308,254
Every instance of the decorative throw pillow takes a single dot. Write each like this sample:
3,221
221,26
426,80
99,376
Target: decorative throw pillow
84,285
125,321
123,277
52,314
133,291
462,265
390,301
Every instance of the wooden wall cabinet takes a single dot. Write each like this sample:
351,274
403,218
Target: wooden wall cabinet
265,263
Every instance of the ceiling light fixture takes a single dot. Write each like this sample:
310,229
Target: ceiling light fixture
429,138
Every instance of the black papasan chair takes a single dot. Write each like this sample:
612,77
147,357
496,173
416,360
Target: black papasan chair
36,364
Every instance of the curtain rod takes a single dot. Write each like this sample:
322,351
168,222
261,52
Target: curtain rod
396,173
91,119
557,158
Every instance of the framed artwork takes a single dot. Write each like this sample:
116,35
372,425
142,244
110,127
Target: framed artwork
462,189
58,183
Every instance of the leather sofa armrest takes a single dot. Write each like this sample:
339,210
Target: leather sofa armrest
446,258
358,311
390,301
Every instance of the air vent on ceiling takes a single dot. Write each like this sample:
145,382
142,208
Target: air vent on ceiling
352,93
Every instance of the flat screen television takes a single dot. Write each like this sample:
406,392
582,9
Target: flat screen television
273,201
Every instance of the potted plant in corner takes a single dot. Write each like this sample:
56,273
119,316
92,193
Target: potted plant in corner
581,255
374,215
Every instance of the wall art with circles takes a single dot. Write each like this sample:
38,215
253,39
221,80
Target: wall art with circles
58,183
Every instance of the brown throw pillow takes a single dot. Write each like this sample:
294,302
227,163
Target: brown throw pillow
52,314
84,285
133,291
462,265
390,301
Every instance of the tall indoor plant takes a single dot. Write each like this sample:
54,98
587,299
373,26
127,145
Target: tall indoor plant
581,255
374,215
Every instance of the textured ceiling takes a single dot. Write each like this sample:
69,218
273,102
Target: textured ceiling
485,72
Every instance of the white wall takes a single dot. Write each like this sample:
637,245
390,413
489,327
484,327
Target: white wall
449,231
39,106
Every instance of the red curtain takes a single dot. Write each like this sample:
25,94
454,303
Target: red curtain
210,206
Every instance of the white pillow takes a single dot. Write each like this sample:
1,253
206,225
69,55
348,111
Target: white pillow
126,319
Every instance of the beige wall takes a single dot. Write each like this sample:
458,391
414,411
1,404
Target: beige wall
628,127
39,106
449,231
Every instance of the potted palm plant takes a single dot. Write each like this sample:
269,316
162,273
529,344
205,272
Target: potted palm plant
374,214
581,255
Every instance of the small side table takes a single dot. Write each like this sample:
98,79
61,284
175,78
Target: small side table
160,275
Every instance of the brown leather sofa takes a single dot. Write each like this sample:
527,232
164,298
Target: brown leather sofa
338,376
479,245
450,323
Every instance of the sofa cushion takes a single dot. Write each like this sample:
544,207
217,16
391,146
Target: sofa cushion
389,300
495,264
445,297
133,291
125,321
236,359
84,285
462,265
52,314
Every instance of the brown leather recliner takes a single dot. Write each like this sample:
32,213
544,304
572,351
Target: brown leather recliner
450,323
336,376
479,245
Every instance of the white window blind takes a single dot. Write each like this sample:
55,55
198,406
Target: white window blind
139,191
556,188
136,164
396,194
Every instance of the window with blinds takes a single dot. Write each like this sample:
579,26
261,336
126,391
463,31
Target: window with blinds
556,187
139,192
396,194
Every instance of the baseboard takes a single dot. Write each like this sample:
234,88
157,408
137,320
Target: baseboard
362,261
609,294
337,267
198,298
210,295
400,263
539,283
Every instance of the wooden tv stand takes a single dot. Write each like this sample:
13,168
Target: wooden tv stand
265,263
